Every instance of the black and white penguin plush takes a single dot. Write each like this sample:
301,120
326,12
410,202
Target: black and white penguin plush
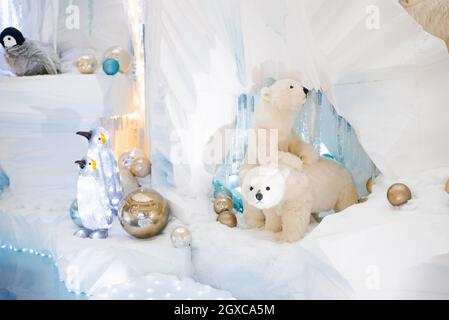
26,57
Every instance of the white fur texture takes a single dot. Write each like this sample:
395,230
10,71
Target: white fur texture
433,15
295,191
277,110
286,206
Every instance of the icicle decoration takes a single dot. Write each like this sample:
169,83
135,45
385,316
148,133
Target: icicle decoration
4,180
91,6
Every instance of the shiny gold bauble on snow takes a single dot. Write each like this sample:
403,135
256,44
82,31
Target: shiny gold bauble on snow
370,185
447,186
141,167
121,55
399,194
228,219
223,204
87,64
143,213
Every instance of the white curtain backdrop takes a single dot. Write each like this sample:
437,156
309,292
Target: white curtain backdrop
202,55
389,83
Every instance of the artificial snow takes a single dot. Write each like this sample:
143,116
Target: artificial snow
371,250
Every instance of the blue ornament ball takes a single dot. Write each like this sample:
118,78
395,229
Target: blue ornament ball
111,67
74,214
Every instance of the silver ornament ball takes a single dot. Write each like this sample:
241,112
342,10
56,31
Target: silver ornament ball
126,159
181,237
74,215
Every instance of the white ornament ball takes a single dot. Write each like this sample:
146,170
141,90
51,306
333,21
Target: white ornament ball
181,237
127,159
121,55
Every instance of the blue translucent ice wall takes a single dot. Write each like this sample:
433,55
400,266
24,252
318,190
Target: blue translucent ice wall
4,180
333,137
227,178
318,124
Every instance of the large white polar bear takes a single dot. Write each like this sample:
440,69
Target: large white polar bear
281,197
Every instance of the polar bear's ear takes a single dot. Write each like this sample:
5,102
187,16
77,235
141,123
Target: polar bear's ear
266,94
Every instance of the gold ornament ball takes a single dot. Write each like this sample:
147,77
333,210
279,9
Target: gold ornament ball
223,204
87,64
447,186
370,185
143,213
228,219
141,167
121,55
399,194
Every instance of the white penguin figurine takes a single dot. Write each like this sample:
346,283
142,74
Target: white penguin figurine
100,150
93,204
26,57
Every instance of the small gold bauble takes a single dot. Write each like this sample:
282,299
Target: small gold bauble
228,219
143,213
121,55
370,185
223,204
87,64
447,186
141,167
399,194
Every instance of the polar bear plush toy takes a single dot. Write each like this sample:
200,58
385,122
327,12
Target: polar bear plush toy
278,197
282,197
277,110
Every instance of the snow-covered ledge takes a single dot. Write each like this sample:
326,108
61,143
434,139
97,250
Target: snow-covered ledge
90,266
371,250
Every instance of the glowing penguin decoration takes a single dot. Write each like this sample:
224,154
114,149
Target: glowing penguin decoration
93,204
100,150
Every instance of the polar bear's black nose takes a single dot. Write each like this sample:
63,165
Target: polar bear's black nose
259,196
306,91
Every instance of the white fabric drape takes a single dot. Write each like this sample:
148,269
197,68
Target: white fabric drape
35,18
389,83
202,55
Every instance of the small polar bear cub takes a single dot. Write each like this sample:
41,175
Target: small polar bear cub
278,197
265,186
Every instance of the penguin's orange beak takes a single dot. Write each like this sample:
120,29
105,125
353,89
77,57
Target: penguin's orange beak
82,163
85,134
103,138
